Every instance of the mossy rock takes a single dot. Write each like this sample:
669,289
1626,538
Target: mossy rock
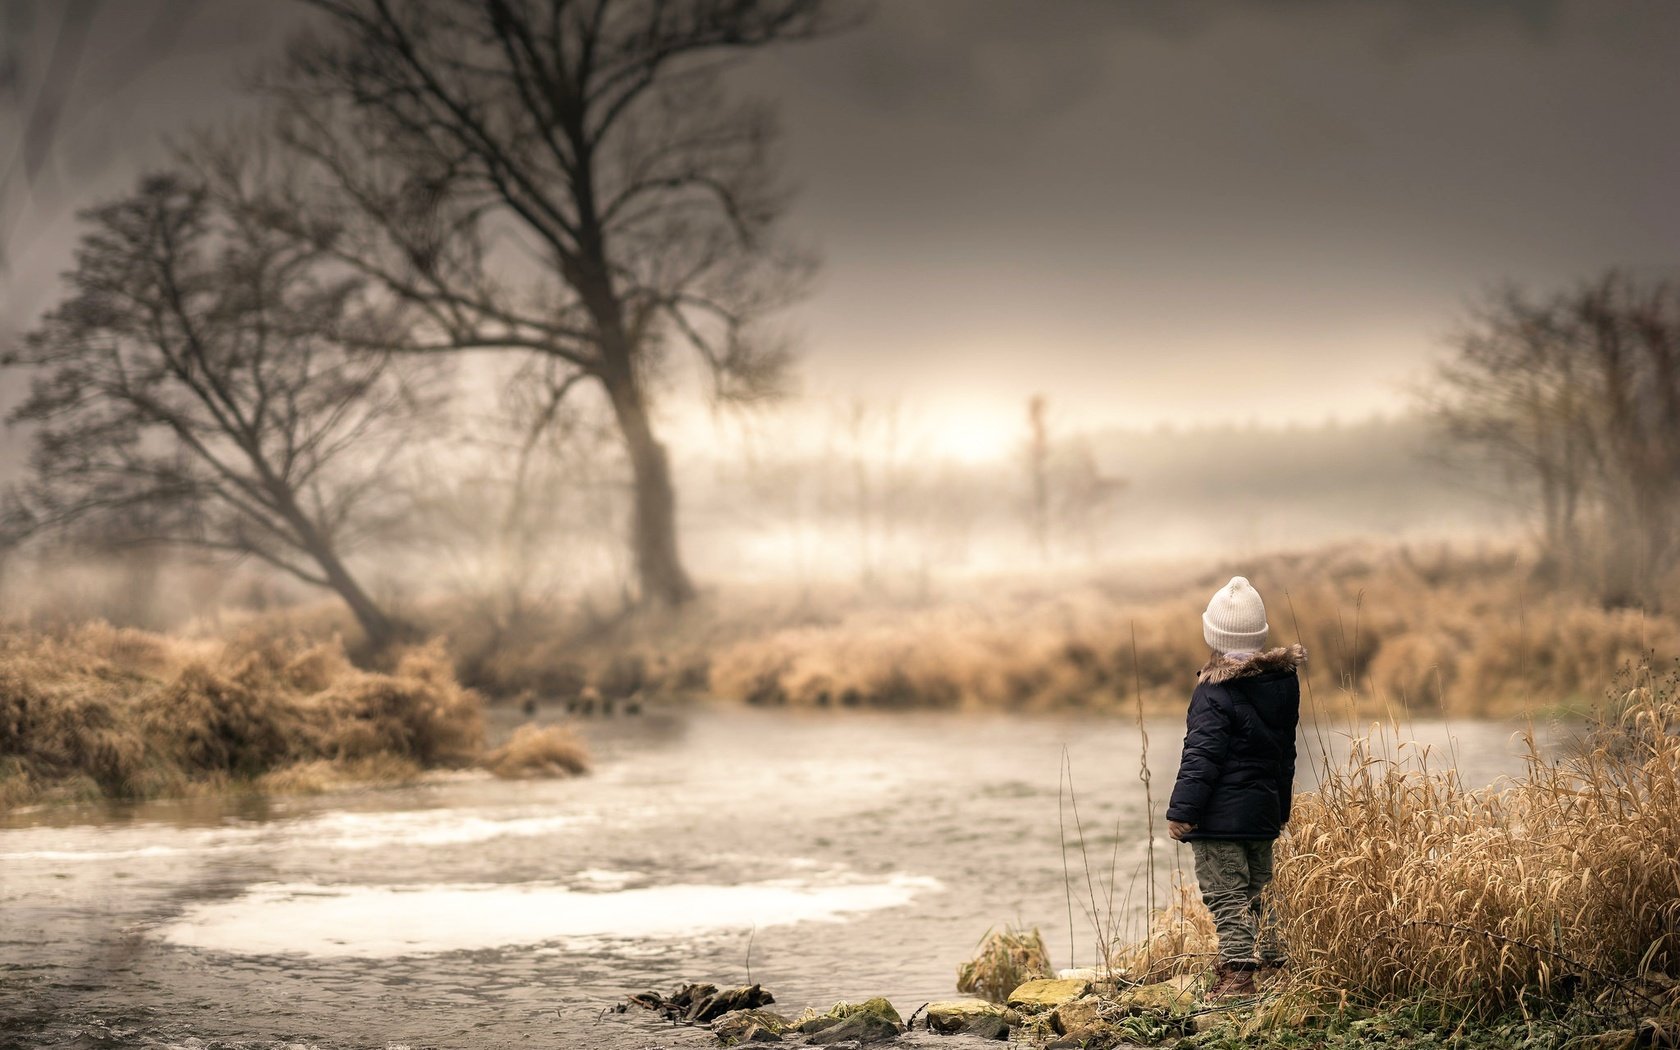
871,1021
750,1026
975,1017
1077,1014
1175,997
1047,994
1088,1037
859,1027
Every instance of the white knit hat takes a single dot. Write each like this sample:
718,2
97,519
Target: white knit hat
1235,620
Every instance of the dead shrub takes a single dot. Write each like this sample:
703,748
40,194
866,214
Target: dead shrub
539,751
100,712
419,712
1180,940
1004,960
221,720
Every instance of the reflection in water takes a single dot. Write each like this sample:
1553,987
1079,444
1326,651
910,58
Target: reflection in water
380,921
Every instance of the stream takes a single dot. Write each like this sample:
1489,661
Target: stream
827,855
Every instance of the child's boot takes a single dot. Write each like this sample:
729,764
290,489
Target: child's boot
1233,981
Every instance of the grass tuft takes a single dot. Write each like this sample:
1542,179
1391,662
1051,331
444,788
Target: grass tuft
1004,960
539,751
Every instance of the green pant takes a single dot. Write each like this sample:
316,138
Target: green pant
1232,875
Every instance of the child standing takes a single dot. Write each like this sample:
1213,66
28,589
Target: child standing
1237,777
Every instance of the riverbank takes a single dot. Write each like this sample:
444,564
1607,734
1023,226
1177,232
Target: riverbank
98,712
1417,909
1464,632
1078,1013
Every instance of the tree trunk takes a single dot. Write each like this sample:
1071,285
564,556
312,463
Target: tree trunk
380,629
653,529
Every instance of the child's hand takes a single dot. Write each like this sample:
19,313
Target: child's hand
1178,829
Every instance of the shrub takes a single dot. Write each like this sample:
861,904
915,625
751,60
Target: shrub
1180,940
1004,960
539,751
100,712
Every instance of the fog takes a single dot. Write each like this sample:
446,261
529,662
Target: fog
1226,243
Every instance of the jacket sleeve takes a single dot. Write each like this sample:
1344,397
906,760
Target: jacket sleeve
1207,738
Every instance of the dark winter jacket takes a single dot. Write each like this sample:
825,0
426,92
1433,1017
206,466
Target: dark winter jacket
1237,775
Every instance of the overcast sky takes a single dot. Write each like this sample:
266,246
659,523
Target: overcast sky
1173,210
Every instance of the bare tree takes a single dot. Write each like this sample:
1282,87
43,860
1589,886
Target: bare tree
189,393
1085,494
593,138
867,441
1578,394
1068,493
1038,473
520,477
1516,391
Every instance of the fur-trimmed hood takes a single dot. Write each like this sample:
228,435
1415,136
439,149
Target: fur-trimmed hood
1223,669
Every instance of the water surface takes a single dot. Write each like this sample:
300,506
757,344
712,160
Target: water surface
832,855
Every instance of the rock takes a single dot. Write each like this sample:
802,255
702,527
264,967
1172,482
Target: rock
1090,1037
1207,1022
1175,997
711,1006
871,1021
1047,994
860,1027
752,1033
969,1017
1080,1013
1103,982
750,1026
702,1003
989,1028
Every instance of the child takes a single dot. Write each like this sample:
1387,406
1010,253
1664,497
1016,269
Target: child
1237,777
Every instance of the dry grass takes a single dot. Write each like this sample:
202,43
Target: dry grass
104,713
1180,940
1469,634
1004,960
539,751
1396,883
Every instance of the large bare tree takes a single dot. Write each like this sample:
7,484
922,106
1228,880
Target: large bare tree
1578,395
189,391
562,177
